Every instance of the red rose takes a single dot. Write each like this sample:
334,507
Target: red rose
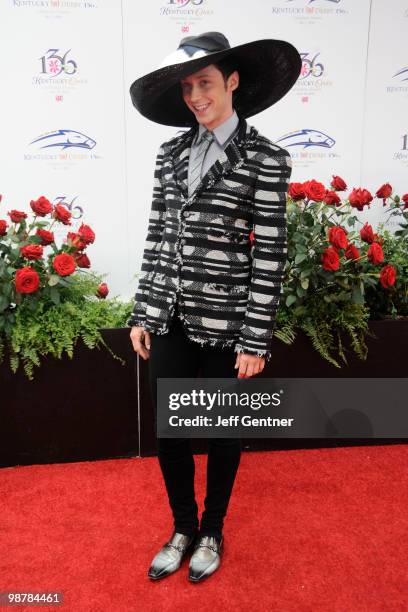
387,276
252,237
86,234
41,207
76,241
330,259
32,251
64,264
405,200
103,290
1,197
314,190
375,253
46,236
384,191
3,227
338,237
17,216
352,252
331,198
358,198
27,280
62,214
366,233
296,191
338,184
82,260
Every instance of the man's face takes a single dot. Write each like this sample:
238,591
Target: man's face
208,96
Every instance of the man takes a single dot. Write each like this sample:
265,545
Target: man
207,297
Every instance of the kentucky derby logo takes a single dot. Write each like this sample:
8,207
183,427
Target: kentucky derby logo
306,138
65,139
53,64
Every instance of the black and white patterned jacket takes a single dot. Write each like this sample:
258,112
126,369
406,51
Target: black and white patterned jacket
198,251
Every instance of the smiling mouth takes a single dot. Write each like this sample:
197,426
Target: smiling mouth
201,109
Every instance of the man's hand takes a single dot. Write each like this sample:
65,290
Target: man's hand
141,341
249,365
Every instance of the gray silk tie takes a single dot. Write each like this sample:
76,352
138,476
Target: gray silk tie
195,173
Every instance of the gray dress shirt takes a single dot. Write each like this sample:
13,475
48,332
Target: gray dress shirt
223,135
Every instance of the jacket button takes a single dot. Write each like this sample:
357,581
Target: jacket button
186,214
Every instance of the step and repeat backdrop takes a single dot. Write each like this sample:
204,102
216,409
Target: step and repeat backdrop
69,131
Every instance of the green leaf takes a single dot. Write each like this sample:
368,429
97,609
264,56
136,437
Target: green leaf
291,299
309,220
300,257
301,248
305,283
3,303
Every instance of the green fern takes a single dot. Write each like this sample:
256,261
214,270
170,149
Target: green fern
319,341
286,334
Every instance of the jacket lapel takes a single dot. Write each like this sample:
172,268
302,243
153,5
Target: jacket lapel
231,158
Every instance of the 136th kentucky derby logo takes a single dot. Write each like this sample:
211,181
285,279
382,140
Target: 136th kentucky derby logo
58,73
310,67
312,76
53,63
195,9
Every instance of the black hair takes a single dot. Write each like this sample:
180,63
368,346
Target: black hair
226,66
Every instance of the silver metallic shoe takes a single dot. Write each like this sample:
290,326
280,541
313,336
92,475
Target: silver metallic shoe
170,556
206,558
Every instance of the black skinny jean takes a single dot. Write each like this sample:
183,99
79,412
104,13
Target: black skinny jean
173,355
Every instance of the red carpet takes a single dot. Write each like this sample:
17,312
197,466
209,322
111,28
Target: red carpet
314,530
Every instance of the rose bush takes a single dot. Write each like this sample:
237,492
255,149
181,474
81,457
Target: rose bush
47,298
339,275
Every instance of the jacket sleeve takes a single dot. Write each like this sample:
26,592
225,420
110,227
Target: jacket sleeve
151,247
268,255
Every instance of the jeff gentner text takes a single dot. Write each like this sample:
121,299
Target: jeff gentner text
231,421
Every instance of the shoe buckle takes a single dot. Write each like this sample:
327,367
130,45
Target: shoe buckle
179,548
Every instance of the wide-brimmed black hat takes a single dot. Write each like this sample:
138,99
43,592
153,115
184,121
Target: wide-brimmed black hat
267,70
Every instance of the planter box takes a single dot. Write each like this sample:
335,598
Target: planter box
93,407
80,409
